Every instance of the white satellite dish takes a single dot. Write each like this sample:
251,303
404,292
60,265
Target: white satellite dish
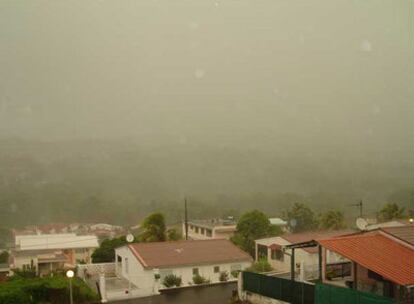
129,238
361,223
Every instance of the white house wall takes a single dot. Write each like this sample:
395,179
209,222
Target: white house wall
145,278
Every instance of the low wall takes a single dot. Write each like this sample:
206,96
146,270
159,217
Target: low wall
206,294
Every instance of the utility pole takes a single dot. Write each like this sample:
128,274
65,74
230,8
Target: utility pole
186,219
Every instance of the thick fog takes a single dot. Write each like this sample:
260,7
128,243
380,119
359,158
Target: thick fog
214,99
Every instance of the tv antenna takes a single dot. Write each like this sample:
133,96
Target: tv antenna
360,205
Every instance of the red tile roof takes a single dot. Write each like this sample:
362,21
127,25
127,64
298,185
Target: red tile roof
376,252
313,235
180,253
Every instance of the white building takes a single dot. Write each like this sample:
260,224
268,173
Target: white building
47,253
141,263
273,250
210,229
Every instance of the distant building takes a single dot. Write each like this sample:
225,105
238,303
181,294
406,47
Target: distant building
275,221
47,253
101,230
210,229
141,263
273,250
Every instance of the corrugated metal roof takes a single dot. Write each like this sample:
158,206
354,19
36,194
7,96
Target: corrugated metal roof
180,253
378,253
404,233
313,235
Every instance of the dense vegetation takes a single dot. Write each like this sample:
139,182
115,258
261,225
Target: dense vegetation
53,290
153,229
122,182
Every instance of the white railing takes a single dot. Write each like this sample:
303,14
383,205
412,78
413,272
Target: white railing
86,271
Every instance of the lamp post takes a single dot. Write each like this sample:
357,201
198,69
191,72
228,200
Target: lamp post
70,275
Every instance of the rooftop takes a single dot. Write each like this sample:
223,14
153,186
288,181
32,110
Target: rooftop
181,253
56,241
381,254
404,233
293,238
213,223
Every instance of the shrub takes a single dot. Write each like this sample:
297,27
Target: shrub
235,273
224,276
198,279
260,266
53,290
172,280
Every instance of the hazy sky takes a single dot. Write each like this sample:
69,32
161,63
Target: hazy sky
325,74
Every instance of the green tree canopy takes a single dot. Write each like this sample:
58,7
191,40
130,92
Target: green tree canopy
332,220
106,251
251,226
173,234
301,218
154,228
391,211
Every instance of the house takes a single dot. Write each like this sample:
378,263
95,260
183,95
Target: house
381,262
142,263
210,229
275,221
306,259
101,230
47,253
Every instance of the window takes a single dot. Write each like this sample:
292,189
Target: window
209,232
202,230
262,252
119,259
216,269
277,255
375,276
195,271
196,229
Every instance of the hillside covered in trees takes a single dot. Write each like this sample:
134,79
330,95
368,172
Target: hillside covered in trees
122,181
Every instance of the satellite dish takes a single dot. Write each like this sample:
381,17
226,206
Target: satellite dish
129,238
361,223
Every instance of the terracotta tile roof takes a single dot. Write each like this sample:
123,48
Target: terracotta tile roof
313,235
180,253
378,253
404,233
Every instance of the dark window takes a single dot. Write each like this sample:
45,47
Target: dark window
375,276
196,229
209,232
202,231
216,269
195,271
277,255
262,252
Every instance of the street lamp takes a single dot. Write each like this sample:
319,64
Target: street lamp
70,275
